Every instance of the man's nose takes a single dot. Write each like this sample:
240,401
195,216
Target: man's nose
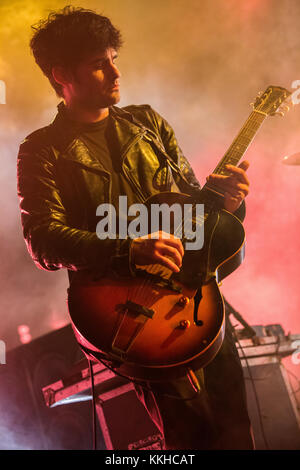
115,72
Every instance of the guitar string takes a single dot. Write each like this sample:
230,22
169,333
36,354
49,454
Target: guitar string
248,126
257,120
252,124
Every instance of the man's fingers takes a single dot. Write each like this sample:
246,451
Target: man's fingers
168,239
171,252
231,184
239,171
237,189
244,165
164,261
176,243
234,197
158,248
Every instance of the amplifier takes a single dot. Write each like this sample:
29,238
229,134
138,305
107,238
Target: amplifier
123,420
125,424
272,406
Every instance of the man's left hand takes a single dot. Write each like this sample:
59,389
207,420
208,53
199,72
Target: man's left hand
235,185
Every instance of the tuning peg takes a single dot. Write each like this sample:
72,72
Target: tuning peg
283,108
289,101
277,113
286,107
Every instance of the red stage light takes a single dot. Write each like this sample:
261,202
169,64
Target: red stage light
24,334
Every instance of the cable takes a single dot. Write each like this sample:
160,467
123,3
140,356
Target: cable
93,405
294,392
254,391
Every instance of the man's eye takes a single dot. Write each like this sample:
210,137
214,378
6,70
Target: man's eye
102,64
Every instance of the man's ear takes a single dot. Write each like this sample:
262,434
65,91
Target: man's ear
61,75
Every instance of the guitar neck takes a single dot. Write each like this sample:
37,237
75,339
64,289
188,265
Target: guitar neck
241,142
235,151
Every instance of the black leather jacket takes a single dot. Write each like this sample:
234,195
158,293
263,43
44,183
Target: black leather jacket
61,184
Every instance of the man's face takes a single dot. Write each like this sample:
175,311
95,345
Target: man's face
95,82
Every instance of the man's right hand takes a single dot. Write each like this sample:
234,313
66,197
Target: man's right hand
158,248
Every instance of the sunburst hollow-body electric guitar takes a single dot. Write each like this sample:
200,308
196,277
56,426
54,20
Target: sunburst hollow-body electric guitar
160,325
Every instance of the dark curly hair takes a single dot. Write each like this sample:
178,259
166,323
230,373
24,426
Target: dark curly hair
68,36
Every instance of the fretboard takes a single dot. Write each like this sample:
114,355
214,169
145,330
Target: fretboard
241,142
233,155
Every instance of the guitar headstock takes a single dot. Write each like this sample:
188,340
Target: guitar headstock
274,101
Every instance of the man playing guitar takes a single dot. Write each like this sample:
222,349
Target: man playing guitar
90,154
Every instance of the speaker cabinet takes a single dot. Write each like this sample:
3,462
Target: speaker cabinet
272,408
124,422
26,421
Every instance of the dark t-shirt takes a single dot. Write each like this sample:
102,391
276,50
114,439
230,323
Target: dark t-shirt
98,138
100,141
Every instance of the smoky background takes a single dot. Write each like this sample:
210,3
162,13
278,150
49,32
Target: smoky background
199,64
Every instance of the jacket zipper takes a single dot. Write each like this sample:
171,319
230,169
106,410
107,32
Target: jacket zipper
126,173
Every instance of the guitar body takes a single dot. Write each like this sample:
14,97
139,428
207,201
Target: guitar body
157,348
159,325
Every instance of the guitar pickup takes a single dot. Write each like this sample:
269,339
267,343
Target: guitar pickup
138,309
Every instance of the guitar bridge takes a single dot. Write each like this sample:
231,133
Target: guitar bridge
138,309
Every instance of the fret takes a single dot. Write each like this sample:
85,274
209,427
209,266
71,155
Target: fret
196,220
241,142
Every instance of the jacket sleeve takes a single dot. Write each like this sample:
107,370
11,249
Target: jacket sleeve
51,241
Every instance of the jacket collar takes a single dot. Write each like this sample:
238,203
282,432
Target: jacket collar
67,136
